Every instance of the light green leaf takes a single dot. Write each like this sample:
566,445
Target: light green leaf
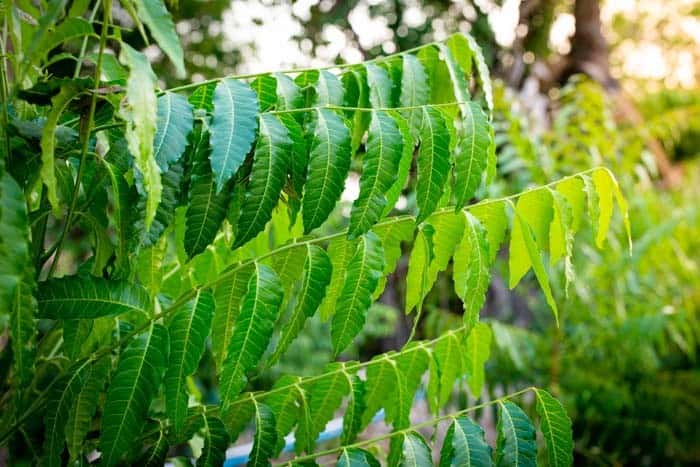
417,278
228,295
573,191
165,214
89,297
268,175
380,86
340,250
361,277
495,220
140,113
206,209
412,363
59,103
329,90
392,234
329,162
60,400
433,162
232,128
534,211
460,87
252,332
216,440
465,446
449,228
134,384
316,277
555,426
149,266
85,403
414,92
561,236
516,437
526,247
325,397
380,165
158,20
482,71
606,187
356,457
188,329
288,93
386,389
477,350
471,154
472,269
14,235
448,354
415,451
174,123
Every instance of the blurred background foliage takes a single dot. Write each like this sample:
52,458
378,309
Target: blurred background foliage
581,83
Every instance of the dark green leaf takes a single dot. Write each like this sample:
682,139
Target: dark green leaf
216,440
555,426
265,436
174,123
465,446
516,437
433,162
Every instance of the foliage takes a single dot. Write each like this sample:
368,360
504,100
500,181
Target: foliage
208,209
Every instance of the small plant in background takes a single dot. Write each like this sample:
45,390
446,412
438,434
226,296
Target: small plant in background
151,239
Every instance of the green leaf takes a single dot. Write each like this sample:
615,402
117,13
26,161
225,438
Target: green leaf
380,86
14,235
268,175
216,441
380,165
233,127
357,94
385,389
140,113
288,93
252,332
134,384
573,191
356,457
60,400
329,90
70,28
561,236
155,455
516,437
438,75
393,193
329,162
417,279
188,329
265,87
533,214
465,446
298,160
555,426
22,328
361,277
433,162
340,250
414,92
449,228
84,407
265,436
352,419
59,103
206,209
461,52
413,361
174,123
283,400
158,20
448,354
316,277
460,88
228,294
493,217
89,297
415,451
471,154
165,214
472,269
325,397
476,352
123,197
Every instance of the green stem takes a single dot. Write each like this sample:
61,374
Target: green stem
415,427
83,47
107,9
185,87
